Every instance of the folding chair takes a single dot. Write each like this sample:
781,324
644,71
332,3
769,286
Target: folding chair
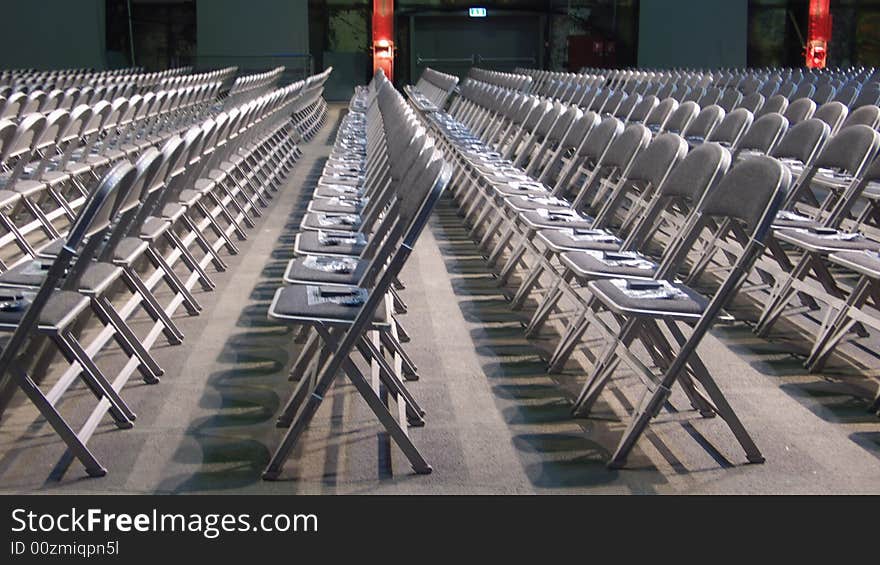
625,204
849,152
662,226
856,306
640,309
342,326
51,313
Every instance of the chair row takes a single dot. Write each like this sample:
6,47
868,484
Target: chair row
19,105
751,91
371,202
177,204
647,237
200,79
250,86
48,158
831,168
61,79
432,89
513,81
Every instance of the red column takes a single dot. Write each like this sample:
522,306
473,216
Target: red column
819,33
383,37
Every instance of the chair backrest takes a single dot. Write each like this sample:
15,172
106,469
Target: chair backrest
624,148
29,131
752,102
626,106
741,211
802,141
850,150
824,93
643,109
14,104
660,114
745,193
804,90
730,99
865,115
868,96
799,110
702,125
787,89
648,170
764,134
655,161
599,138
847,95
832,113
776,103
732,128
769,88
681,191
711,96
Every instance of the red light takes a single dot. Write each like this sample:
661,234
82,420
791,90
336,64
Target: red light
383,30
819,33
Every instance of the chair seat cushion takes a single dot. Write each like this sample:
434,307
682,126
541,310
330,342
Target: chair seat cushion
55,177
309,242
190,197
335,222
862,262
204,185
596,264
544,218
173,211
337,191
334,206
523,203
325,270
98,277
613,294
517,188
8,197
568,240
153,227
28,187
825,243
129,250
787,219
62,307
292,303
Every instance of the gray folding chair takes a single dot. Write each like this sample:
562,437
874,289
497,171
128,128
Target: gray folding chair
639,310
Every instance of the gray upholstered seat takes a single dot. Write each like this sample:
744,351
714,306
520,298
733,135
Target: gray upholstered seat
292,302
690,304
309,243
608,264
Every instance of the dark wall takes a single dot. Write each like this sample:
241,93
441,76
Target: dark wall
53,34
693,33
253,34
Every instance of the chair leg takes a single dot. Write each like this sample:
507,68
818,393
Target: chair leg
77,448
308,410
127,340
95,379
